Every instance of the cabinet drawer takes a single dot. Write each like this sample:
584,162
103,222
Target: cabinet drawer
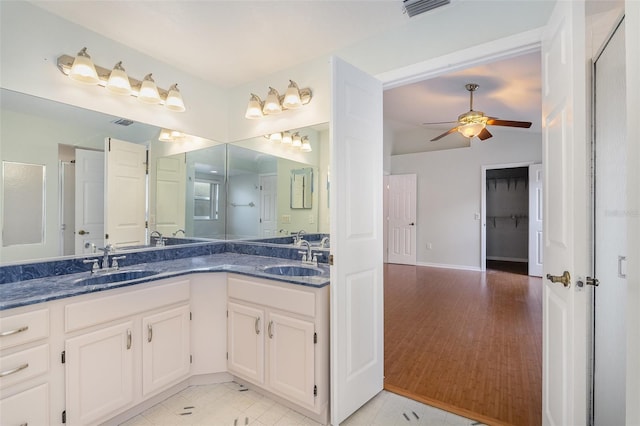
23,365
24,328
272,295
30,407
108,308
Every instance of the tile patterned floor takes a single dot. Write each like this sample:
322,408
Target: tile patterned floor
229,404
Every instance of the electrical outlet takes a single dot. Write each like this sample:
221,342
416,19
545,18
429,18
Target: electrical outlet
286,218
312,219
476,216
429,246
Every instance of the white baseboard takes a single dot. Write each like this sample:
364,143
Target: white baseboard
446,266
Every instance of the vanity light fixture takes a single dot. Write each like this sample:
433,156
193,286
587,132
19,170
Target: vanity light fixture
167,135
274,103
149,91
294,141
297,141
81,68
306,146
119,81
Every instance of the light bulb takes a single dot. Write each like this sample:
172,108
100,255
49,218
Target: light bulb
292,96
83,69
149,91
174,100
471,130
119,81
275,137
254,108
272,103
287,138
297,141
306,146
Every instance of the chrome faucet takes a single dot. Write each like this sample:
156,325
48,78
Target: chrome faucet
159,239
297,240
179,230
325,240
105,259
308,257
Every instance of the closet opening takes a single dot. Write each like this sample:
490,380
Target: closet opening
506,219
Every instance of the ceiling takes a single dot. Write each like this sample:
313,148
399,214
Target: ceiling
233,42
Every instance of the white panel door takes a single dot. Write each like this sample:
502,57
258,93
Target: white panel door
89,213
291,358
269,205
170,194
535,220
245,341
125,189
99,373
357,357
402,219
610,233
165,350
565,199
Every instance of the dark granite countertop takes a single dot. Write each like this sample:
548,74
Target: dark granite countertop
23,293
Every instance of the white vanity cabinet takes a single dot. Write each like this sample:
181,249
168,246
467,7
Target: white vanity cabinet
24,367
272,341
123,348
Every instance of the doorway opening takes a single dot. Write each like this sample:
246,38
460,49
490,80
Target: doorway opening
507,219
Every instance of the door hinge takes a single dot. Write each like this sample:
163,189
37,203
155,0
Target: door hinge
227,356
331,259
190,316
64,416
190,359
63,357
315,390
109,144
315,338
146,224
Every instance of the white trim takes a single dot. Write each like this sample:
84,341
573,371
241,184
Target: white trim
483,205
447,266
508,259
503,48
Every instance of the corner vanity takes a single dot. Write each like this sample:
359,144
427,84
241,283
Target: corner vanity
79,354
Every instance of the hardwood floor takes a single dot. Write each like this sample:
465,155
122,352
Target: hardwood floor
467,342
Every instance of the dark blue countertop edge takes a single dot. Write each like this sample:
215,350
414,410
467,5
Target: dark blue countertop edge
49,268
40,290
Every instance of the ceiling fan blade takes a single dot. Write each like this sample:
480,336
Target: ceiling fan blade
455,129
484,134
508,123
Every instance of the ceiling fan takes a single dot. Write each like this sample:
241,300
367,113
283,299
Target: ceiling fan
474,123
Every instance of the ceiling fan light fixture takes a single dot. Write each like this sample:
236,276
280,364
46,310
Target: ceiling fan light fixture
471,130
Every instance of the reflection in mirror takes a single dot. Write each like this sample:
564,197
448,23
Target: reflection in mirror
301,188
23,188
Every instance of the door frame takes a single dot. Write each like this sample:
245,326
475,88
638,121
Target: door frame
483,205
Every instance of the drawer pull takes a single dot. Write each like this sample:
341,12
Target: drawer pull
149,333
270,329
128,339
14,370
15,331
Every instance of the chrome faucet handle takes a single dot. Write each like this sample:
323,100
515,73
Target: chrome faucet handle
304,255
95,267
114,261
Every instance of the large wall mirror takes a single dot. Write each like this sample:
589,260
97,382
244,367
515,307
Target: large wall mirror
195,188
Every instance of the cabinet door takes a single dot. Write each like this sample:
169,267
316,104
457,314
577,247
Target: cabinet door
30,407
99,373
165,348
291,358
246,342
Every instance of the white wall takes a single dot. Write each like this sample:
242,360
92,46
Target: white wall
449,194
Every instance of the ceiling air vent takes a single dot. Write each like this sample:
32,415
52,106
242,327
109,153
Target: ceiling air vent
416,7
123,122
